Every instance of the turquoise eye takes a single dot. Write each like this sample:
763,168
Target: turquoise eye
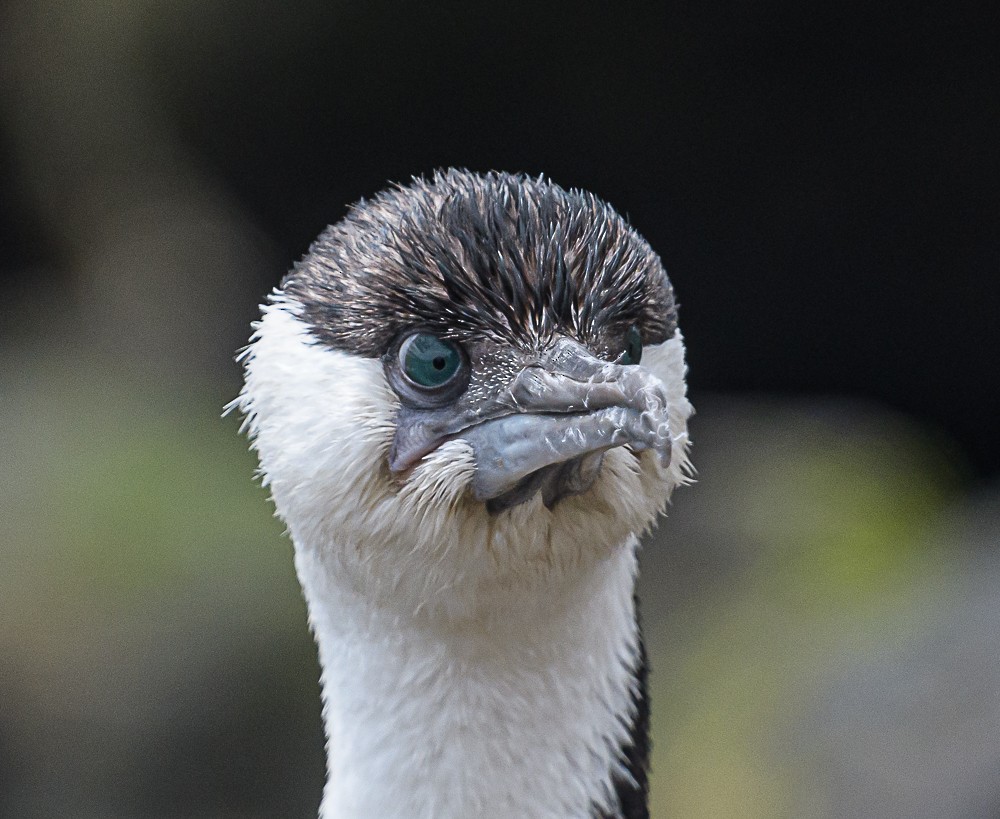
633,347
429,361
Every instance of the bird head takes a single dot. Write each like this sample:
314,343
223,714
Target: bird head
469,385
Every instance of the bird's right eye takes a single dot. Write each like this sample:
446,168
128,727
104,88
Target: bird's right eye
429,361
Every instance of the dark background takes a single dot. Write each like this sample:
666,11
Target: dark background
822,182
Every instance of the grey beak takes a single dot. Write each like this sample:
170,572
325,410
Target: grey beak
549,428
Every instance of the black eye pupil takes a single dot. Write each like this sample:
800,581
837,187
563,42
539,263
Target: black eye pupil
439,363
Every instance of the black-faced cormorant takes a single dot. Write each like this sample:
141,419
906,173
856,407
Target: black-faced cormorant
468,401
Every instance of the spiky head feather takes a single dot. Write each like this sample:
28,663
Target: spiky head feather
472,257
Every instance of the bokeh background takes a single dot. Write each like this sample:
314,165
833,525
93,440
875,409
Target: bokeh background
822,182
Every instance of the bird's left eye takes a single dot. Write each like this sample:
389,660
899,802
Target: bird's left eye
429,361
633,347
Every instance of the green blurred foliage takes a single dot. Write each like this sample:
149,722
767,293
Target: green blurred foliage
150,608
842,504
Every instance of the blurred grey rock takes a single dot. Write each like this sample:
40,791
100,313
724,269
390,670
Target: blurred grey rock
910,729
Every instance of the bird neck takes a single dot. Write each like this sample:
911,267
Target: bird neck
526,709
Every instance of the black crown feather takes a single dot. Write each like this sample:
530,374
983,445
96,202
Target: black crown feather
495,256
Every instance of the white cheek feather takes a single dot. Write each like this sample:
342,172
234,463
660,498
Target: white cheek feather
666,362
459,649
